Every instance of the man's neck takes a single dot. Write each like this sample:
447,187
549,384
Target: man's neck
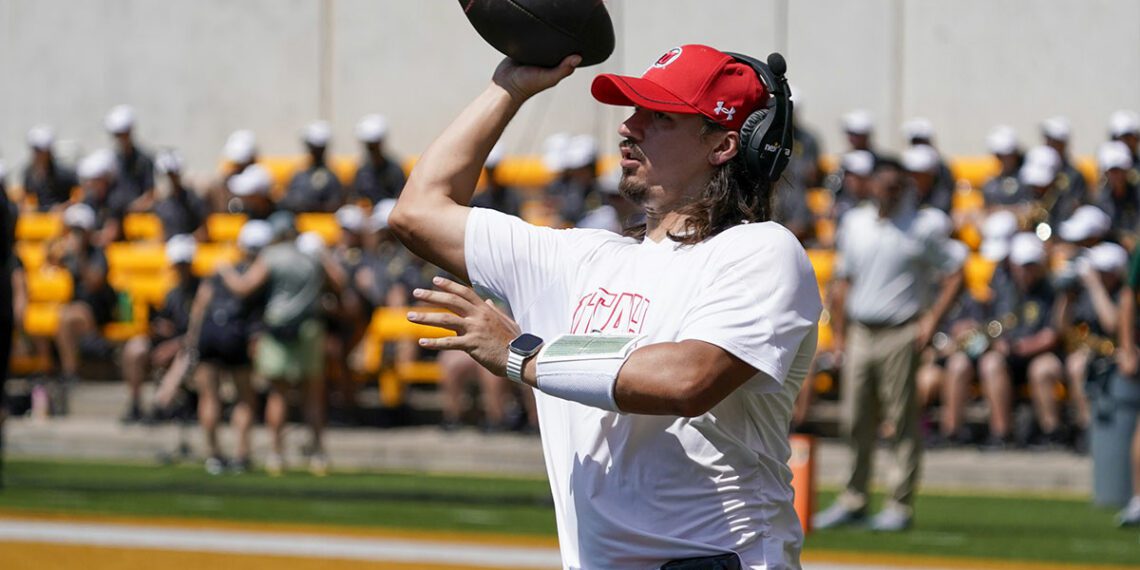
658,227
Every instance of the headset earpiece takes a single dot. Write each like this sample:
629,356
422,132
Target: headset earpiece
766,136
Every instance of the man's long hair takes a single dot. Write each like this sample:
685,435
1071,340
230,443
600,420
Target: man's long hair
731,198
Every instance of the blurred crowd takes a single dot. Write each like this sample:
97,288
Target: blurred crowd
278,330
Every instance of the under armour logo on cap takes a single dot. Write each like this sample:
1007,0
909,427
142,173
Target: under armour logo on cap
728,113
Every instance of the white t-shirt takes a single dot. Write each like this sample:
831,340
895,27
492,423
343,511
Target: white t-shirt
635,491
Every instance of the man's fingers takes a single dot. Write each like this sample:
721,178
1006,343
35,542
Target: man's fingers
459,289
445,343
445,300
448,321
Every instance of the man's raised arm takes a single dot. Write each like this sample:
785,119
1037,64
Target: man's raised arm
430,217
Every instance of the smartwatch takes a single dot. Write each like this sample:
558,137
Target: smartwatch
522,348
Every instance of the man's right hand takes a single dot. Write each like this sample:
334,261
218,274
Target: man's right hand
525,81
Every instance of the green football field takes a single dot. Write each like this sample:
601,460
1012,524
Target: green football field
991,527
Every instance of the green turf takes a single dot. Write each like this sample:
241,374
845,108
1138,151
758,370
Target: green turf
1010,528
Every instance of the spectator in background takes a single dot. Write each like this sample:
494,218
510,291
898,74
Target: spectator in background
93,304
575,190
804,165
240,152
1118,195
1088,315
161,345
494,194
922,166
316,188
251,189
220,336
1005,188
1128,360
1026,349
1041,208
790,209
290,352
379,176
920,131
377,279
178,207
1056,132
854,182
348,313
98,175
50,182
616,213
8,312
135,167
889,253
859,128
1124,126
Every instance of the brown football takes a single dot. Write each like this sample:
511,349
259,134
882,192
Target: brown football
544,32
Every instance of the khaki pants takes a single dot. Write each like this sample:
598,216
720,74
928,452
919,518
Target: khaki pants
878,386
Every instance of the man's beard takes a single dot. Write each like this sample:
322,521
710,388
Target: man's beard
632,189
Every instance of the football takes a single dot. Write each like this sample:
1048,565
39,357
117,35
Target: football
544,32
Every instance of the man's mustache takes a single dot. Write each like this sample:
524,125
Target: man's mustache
632,148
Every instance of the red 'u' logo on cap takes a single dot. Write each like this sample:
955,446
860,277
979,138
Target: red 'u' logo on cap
669,57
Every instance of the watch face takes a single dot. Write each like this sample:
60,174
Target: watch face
526,343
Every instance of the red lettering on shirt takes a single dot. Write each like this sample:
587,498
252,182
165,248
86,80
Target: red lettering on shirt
604,312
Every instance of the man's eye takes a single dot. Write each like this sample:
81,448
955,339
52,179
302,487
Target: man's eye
660,115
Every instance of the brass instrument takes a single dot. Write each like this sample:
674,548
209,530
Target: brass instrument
1081,336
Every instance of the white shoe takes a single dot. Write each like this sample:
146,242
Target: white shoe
1130,516
275,465
319,464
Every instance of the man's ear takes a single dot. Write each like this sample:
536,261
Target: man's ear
726,149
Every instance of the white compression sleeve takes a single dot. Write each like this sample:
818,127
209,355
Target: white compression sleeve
590,382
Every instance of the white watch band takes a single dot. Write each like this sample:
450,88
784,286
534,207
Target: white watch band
515,362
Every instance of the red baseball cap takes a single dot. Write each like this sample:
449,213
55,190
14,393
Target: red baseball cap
690,79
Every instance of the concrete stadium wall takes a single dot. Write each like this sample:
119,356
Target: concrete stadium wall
198,69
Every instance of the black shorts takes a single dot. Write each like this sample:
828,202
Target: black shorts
102,304
224,345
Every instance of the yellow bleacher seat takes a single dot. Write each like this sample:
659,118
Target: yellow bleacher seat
32,254
50,285
977,273
324,224
132,258
974,169
224,227
41,319
149,289
210,255
819,201
825,231
391,324
968,199
142,227
822,261
37,226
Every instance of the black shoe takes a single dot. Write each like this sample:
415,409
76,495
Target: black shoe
240,466
133,415
450,426
1081,442
995,443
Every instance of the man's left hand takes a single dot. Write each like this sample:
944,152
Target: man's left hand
482,330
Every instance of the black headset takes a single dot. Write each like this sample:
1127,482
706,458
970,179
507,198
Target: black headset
766,136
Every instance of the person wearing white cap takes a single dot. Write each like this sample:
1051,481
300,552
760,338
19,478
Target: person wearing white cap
315,188
574,192
379,176
94,303
1057,131
178,206
290,351
923,165
1005,188
250,189
1042,206
238,153
1024,350
1124,126
135,167
853,189
858,126
920,131
1119,194
1087,226
494,194
98,177
1089,314
44,177
219,338
161,346
892,256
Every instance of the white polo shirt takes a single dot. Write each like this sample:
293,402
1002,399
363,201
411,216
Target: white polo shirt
635,491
